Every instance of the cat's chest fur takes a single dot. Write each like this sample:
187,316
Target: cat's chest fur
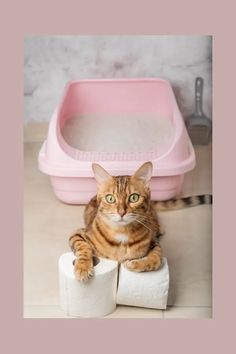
121,237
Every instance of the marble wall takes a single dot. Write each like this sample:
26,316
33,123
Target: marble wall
51,61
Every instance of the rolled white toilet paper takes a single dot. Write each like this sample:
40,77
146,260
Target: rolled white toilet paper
146,289
94,298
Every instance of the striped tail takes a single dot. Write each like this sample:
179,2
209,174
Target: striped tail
182,203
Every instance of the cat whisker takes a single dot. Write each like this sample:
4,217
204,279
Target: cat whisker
140,222
145,216
147,223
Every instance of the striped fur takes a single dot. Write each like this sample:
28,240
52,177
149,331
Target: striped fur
181,203
123,230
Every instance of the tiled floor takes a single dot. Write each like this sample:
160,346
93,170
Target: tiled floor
186,244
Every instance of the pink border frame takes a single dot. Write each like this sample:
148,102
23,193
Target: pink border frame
118,18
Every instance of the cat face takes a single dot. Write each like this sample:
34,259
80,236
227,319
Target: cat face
123,199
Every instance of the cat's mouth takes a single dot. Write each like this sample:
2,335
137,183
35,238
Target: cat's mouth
121,220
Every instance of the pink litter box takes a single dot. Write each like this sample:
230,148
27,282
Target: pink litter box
119,124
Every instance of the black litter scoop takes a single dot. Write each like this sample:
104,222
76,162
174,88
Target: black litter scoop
198,124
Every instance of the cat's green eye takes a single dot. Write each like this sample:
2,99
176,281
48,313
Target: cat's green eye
133,198
110,198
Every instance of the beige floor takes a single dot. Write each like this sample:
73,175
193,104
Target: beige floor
187,244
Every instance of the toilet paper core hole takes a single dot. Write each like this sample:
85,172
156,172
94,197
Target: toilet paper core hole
96,260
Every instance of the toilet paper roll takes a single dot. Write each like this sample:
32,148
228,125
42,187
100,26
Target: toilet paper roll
93,298
146,289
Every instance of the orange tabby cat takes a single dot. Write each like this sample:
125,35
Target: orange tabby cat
121,223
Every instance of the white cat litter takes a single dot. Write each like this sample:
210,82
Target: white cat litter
119,132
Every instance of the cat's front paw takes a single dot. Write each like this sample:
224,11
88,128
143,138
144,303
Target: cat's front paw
143,264
83,270
135,265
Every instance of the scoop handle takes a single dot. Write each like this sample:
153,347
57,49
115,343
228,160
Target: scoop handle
198,96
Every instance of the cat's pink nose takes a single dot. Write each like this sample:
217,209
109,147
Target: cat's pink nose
121,212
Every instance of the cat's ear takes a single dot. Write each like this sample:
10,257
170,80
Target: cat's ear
144,173
100,174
